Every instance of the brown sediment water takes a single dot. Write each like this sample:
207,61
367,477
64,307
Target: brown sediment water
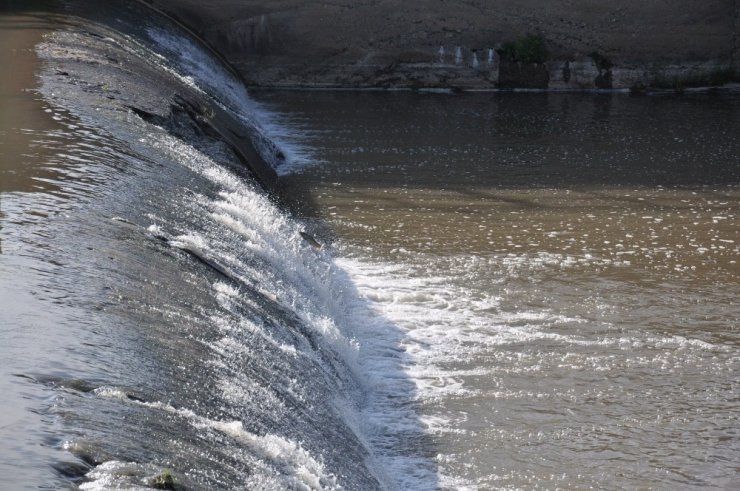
565,268
24,115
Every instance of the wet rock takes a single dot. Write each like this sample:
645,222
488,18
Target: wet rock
164,480
90,60
74,471
74,384
88,453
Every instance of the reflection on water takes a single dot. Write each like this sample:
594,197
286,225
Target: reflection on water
25,124
25,128
650,183
510,141
565,269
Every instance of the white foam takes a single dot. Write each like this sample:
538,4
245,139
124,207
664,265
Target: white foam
115,474
276,460
110,393
275,261
227,291
199,70
430,324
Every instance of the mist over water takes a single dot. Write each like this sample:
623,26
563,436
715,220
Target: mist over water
512,290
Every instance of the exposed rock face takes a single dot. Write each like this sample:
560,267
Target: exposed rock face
434,43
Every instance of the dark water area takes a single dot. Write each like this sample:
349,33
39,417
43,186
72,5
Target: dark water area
539,140
504,290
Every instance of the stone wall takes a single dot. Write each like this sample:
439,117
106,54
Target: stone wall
437,43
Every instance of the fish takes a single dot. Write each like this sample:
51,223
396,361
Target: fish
311,241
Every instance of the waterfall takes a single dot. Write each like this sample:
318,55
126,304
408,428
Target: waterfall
264,373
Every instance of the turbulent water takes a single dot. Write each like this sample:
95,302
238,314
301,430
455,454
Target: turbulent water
506,291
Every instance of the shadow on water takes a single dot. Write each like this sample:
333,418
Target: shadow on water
39,8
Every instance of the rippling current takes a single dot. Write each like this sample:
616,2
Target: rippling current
505,290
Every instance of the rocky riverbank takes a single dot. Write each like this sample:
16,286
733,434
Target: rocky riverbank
423,44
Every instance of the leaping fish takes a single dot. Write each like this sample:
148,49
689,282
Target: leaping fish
311,241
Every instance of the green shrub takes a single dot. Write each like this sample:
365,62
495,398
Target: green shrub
529,48
508,51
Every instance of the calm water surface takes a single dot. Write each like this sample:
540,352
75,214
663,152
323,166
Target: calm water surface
564,267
